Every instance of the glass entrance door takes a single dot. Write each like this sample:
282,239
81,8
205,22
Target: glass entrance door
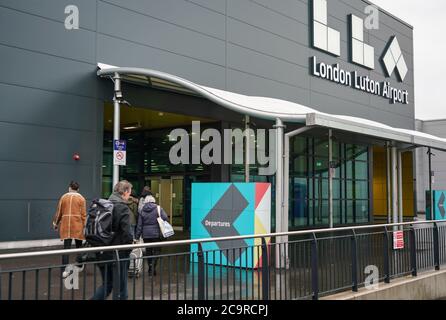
177,202
168,192
155,183
166,197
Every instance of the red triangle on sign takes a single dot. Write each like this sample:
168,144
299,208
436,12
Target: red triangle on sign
261,189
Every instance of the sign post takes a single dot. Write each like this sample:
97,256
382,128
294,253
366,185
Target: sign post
119,152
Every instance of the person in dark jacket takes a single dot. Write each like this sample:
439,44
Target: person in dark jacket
133,205
149,229
122,236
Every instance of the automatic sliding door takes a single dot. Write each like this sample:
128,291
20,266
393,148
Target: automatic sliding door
177,202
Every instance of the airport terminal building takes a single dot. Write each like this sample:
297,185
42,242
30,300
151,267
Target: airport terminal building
315,66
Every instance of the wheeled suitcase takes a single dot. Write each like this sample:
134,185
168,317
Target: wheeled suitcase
135,263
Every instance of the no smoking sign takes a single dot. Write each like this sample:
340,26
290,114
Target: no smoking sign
119,152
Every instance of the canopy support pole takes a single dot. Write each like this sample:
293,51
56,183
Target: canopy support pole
331,168
281,223
247,149
116,122
394,188
286,181
389,182
400,186
431,196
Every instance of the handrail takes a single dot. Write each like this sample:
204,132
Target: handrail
195,241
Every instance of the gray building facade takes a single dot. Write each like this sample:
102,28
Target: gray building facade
53,103
438,165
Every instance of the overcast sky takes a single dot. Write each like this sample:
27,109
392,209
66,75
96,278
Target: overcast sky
428,17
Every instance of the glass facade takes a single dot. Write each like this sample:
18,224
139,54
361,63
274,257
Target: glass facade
309,187
147,155
237,174
148,161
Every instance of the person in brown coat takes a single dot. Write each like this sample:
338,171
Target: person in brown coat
70,218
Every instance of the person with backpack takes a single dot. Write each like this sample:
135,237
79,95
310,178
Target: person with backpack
119,235
70,219
148,227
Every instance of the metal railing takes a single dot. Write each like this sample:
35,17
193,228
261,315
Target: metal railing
281,266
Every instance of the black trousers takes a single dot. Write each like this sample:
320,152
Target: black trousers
152,261
67,245
111,281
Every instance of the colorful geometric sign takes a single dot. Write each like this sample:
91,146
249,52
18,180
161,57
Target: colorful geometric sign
439,202
229,210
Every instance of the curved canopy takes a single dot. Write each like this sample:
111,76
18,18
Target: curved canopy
270,108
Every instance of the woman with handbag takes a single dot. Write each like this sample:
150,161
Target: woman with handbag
148,228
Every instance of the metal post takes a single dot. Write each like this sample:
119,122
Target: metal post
354,263
436,248
389,187
400,186
265,271
116,122
117,277
330,177
394,188
10,286
413,251
201,280
1,286
286,188
431,196
386,256
247,146
281,225
314,268
286,179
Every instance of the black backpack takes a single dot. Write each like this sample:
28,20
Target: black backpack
98,229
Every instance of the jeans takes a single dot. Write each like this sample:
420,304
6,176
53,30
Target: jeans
67,245
110,280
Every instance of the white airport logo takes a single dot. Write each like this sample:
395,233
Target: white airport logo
324,37
328,39
394,59
362,53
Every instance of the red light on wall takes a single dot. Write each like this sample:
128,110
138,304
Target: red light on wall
76,157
